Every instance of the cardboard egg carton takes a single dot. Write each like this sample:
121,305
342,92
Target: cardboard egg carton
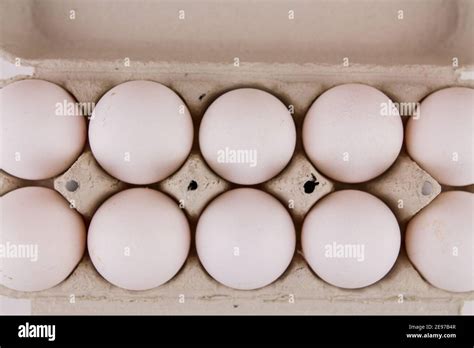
201,57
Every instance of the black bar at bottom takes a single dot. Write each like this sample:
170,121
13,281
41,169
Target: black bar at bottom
414,330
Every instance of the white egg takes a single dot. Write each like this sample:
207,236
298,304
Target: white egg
440,241
245,239
42,239
350,136
441,138
139,239
42,132
247,136
141,132
350,239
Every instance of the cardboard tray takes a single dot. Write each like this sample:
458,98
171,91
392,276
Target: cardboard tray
295,50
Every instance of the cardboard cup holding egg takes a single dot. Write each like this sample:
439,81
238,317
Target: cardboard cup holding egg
138,239
350,239
40,138
441,138
141,132
42,239
347,138
245,239
247,136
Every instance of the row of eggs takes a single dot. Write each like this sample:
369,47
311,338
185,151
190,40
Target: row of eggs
139,239
141,132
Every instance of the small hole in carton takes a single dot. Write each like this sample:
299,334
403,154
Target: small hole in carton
427,188
193,185
72,185
310,185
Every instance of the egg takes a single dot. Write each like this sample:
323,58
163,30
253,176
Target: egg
141,132
42,239
42,130
350,239
247,136
441,138
245,239
440,241
139,239
350,136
